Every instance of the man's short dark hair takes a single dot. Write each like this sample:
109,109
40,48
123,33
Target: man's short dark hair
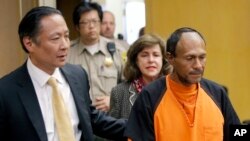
84,7
30,24
176,36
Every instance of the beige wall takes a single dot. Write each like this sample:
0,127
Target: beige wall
11,12
11,54
226,27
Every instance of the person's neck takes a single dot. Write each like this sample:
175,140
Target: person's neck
147,80
113,37
176,79
48,70
109,37
89,42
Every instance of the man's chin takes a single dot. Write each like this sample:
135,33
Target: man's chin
197,80
61,64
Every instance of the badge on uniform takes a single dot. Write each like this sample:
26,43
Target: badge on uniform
108,62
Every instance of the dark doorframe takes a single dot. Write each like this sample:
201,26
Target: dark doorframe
67,7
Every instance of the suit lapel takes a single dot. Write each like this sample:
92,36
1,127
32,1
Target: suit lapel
78,89
73,83
132,94
30,102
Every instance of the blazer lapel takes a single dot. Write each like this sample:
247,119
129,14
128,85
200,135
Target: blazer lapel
132,94
78,89
74,84
29,99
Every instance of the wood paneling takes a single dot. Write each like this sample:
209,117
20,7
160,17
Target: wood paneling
67,8
11,54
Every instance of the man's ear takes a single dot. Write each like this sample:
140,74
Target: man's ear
77,28
28,43
170,58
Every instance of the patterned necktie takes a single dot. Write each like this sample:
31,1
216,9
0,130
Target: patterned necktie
63,125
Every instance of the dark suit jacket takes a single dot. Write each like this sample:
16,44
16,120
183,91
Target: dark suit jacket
20,114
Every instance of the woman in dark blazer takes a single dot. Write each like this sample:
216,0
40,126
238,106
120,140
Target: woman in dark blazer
146,61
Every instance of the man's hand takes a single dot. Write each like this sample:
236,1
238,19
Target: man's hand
102,103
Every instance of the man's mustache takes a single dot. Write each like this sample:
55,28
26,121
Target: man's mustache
195,72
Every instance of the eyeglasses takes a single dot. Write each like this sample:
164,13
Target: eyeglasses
87,23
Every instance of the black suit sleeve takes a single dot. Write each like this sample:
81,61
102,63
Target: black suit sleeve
140,124
102,124
2,119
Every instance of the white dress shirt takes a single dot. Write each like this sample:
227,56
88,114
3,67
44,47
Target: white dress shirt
44,95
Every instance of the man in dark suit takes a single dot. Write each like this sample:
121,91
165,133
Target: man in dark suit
26,110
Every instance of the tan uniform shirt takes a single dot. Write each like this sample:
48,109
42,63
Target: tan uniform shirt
103,76
123,43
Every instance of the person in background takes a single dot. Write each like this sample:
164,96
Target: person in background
120,36
146,62
30,104
108,25
104,65
141,31
108,29
182,105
